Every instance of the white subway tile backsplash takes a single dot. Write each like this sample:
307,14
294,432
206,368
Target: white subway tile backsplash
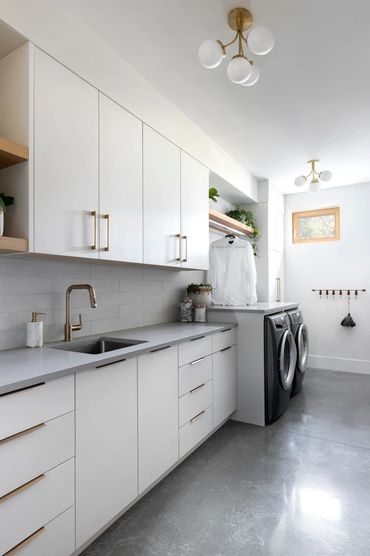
127,295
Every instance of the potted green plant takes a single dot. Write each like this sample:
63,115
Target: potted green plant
212,196
246,217
200,293
5,201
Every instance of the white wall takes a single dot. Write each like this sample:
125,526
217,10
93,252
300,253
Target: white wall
338,264
54,29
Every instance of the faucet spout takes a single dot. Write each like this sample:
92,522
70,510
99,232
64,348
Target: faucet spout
69,327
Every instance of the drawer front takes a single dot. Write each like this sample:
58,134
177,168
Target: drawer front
222,340
56,538
193,403
194,349
195,373
26,408
35,451
194,431
29,508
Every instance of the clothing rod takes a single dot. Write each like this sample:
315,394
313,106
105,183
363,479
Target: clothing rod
221,228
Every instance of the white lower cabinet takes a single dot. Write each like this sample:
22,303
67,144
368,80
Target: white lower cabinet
195,430
224,384
157,414
106,445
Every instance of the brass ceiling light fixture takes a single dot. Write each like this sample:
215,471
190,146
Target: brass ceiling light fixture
240,70
316,178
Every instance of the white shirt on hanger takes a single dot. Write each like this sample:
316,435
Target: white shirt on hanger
232,272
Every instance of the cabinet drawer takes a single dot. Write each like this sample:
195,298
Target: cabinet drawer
194,431
224,339
194,349
56,538
195,373
33,452
24,511
26,408
194,402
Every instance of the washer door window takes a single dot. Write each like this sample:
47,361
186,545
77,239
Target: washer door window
302,347
287,359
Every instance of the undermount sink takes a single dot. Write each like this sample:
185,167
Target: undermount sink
99,345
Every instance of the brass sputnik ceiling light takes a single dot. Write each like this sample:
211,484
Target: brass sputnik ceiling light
316,178
240,70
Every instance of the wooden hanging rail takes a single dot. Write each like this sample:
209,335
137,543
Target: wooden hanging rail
223,223
11,153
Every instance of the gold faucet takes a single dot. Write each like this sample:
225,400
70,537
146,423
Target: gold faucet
69,327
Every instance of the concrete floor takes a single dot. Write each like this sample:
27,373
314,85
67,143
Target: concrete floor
299,487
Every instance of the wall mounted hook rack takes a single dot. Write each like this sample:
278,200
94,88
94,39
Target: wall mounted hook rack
341,292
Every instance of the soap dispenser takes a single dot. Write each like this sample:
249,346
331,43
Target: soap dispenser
35,331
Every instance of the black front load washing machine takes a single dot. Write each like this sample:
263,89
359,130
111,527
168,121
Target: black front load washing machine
300,333
280,365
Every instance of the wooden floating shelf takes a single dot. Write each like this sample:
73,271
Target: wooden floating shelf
11,153
13,245
217,219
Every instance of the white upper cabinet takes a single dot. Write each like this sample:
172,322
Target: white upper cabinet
194,213
106,445
66,161
161,200
121,236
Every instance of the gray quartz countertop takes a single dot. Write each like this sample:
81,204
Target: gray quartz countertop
265,307
20,368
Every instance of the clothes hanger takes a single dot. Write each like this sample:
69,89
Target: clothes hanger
231,237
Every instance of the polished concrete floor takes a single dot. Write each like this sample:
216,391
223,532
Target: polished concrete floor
300,487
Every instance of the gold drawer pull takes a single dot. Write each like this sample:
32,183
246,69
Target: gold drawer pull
26,541
94,215
196,388
197,416
21,488
197,361
18,434
107,218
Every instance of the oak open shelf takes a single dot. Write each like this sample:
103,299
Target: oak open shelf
13,245
11,153
223,223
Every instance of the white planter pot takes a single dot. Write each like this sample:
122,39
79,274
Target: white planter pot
203,298
1,223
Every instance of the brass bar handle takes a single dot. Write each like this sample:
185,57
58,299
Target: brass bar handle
21,488
18,434
25,541
197,388
178,237
107,218
197,361
185,260
93,214
197,416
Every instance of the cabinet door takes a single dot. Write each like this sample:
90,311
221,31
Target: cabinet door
66,161
158,414
224,384
161,200
106,445
121,237
194,213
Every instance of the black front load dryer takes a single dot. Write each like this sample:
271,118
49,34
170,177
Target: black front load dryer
280,364
300,333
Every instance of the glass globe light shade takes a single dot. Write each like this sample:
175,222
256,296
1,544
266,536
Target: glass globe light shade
253,78
260,40
314,186
325,175
239,69
300,181
210,54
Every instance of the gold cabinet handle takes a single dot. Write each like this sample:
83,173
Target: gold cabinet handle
18,434
21,488
185,260
93,214
178,236
197,416
26,541
197,388
107,218
197,361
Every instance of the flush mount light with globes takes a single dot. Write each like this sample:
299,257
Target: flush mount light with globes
240,70
315,176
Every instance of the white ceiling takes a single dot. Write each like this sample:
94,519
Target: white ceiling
313,97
